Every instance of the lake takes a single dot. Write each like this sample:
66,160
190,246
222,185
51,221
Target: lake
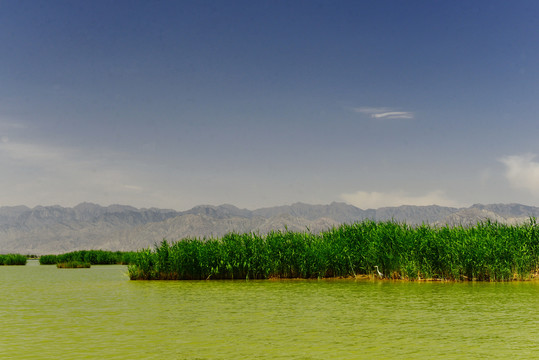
95,313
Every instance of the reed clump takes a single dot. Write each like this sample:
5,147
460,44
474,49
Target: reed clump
13,259
489,251
93,257
73,265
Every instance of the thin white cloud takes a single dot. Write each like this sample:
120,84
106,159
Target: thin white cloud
375,200
28,152
371,110
133,188
47,174
7,124
522,172
384,113
7,128
394,115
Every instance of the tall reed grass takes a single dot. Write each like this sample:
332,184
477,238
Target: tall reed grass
489,251
73,265
13,259
93,257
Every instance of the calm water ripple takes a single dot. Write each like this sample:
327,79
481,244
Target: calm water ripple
94,313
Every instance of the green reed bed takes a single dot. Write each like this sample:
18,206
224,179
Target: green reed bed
488,251
73,265
93,257
13,259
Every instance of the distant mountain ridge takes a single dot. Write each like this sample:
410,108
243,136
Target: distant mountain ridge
56,229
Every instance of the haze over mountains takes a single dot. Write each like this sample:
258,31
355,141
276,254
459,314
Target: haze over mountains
55,229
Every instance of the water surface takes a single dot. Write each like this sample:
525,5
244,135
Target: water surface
94,313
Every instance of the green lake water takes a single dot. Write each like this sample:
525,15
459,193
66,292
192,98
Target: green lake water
98,313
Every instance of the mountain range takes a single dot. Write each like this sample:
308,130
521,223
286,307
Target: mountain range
55,229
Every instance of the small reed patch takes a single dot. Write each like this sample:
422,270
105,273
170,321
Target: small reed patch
73,265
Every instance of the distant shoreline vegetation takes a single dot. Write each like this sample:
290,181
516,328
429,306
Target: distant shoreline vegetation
73,265
92,257
488,251
13,259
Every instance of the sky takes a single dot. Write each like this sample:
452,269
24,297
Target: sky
173,104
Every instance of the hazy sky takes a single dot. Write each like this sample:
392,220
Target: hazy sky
260,103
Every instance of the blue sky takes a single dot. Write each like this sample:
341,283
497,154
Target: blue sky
259,103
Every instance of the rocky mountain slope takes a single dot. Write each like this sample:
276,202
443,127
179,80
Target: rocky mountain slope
56,229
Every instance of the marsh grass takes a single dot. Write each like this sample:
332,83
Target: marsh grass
73,265
488,251
13,259
93,257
